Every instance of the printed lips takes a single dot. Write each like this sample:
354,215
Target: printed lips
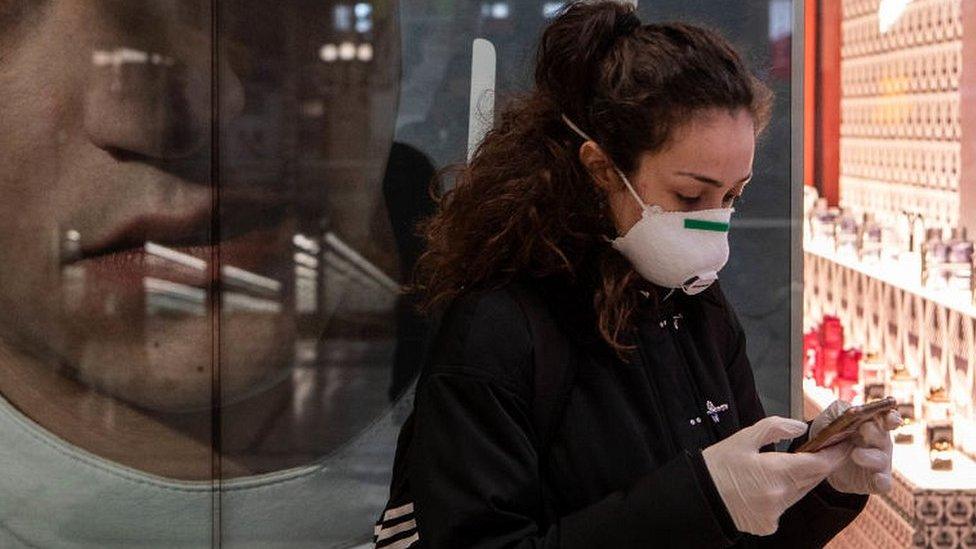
185,249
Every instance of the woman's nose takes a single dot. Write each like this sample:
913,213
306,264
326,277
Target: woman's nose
158,104
712,201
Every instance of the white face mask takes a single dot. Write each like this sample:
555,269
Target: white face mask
674,249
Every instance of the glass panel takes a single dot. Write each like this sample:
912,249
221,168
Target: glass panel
757,277
309,268
208,211
890,210
105,269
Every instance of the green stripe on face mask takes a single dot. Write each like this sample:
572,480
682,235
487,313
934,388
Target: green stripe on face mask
702,225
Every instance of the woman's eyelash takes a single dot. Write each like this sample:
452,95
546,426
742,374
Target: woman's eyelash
693,199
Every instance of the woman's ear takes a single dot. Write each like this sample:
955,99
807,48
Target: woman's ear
600,167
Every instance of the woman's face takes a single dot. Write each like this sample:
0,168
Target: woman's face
707,164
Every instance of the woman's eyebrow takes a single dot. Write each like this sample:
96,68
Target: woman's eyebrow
709,180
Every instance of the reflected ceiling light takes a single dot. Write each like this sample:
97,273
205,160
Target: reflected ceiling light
365,52
347,51
305,243
308,260
343,17
889,12
364,19
249,280
170,254
329,53
550,9
364,25
363,9
121,56
500,10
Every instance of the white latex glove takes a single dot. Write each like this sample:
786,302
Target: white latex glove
757,487
868,468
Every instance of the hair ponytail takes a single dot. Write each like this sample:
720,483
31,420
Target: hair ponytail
574,45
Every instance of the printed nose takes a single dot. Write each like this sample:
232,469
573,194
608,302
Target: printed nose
155,104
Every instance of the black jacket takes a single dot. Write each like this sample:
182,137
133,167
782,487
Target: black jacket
624,468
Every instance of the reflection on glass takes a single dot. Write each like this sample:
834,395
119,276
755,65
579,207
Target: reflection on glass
205,229
198,280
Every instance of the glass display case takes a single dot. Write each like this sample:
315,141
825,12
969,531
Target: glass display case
888,263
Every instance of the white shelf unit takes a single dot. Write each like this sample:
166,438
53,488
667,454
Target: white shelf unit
884,307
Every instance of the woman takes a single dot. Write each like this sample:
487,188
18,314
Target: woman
600,204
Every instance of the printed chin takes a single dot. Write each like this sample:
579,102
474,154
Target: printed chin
171,367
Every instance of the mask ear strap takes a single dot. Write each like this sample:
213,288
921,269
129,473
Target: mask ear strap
630,188
626,181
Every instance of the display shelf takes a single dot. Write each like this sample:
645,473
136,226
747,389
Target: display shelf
904,275
884,308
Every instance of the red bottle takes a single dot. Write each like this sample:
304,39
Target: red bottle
850,363
831,347
847,376
811,350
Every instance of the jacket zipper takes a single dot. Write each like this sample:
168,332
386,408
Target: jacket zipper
677,339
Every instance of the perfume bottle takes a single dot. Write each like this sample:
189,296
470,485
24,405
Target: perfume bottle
910,230
847,232
812,204
959,265
823,221
918,233
894,236
872,376
870,244
935,258
903,387
831,346
909,227
847,375
938,428
811,348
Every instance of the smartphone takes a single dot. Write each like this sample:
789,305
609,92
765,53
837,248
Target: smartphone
845,425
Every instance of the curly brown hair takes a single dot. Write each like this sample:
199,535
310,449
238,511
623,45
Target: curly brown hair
525,206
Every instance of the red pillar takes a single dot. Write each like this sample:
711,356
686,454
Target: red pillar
827,174
809,91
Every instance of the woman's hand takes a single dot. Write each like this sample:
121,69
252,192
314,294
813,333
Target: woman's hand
868,468
757,487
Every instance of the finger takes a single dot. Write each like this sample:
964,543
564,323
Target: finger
830,413
835,456
872,459
773,429
871,434
880,483
836,408
814,466
767,528
892,420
